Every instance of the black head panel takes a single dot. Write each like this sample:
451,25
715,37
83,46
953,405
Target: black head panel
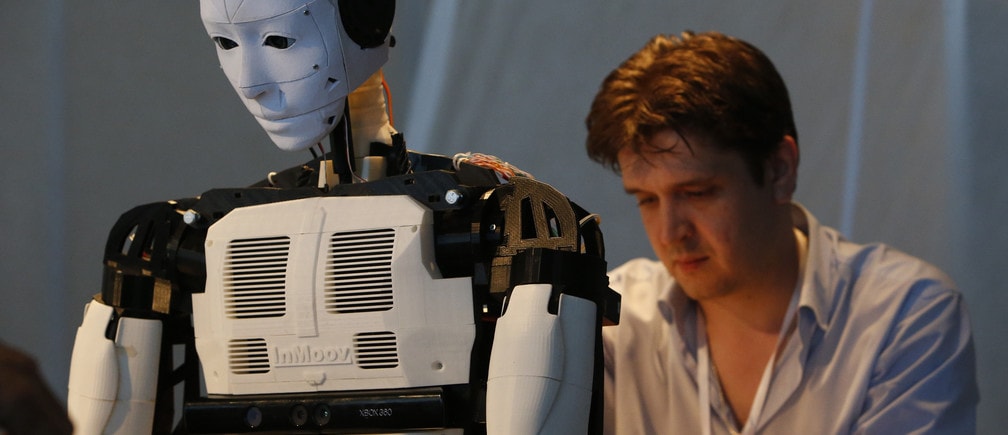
367,22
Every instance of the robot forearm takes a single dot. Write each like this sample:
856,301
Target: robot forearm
113,372
541,366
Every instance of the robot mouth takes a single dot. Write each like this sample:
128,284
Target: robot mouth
286,118
286,124
274,107
280,113
324,117
296,133
279,116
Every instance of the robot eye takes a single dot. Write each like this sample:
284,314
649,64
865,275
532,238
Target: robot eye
277,41
224,43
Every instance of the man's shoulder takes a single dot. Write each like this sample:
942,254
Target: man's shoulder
638,274
642,283
872,281
878,265
876,279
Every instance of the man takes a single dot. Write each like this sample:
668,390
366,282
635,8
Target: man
758,319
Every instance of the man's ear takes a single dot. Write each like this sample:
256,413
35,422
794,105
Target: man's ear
783,173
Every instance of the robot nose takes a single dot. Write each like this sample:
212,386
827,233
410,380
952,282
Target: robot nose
254,91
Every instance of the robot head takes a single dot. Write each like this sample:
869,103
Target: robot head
293,62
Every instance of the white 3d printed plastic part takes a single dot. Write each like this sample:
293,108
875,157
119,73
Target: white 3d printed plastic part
280,58
330,293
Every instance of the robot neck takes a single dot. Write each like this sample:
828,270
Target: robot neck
369,115
361,146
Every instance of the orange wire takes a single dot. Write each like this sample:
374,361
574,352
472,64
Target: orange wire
388,99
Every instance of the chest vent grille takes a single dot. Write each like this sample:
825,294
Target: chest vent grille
248,356
376,350
359,271
255,271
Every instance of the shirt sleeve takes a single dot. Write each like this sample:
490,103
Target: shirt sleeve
924,378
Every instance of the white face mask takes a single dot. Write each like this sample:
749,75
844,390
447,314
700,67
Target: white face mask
285,60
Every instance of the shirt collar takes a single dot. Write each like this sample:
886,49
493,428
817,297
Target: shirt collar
817,286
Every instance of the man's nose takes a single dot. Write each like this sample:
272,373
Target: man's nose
676,224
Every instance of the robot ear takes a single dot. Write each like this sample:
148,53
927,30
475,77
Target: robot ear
367,22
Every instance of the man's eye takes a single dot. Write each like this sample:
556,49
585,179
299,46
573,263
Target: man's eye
224,43
699,193
645,200
277,41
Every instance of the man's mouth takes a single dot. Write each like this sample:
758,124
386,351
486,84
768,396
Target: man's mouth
689,263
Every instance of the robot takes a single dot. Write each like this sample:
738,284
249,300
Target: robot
371,290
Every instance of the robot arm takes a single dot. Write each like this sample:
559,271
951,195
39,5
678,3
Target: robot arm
113,372
544,371
541,364
120,368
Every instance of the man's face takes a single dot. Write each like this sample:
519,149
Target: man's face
706,218
284,59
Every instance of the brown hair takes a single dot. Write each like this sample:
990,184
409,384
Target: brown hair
714,86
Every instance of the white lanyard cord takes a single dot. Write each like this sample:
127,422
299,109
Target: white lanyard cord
703,372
